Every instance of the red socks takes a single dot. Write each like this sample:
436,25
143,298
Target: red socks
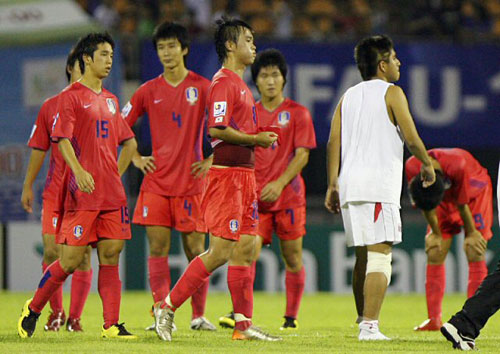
110,286
51,282
159,277
239,281
193,278
435,284
55,300
80,287
199,299
294,283
253,269
477,272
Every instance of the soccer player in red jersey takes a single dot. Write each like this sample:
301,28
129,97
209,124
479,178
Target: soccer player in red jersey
463,198
229,202
89,128
171,190
280,187
40,143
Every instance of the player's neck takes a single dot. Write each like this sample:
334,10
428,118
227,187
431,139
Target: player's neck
174,76
92,82
235,66
271,103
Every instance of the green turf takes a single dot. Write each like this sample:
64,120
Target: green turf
326,325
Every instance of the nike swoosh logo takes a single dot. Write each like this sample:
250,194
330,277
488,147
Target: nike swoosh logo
158,101
85,106
242,92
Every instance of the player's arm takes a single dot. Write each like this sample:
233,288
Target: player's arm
332,199
144,163
200,168
273,189
233,136
35,163
128,150
398,106
435,238
84,180
473,237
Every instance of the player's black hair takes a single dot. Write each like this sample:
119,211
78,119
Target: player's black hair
73,56
369,52
266,58
430,197
168,30
227,29
88,45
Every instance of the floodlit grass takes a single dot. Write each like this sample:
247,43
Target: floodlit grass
326,326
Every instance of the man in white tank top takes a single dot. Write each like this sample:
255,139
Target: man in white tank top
365,172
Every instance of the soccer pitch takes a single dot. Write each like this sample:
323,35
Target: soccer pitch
326,326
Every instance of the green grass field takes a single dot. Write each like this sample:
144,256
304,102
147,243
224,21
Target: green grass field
326,326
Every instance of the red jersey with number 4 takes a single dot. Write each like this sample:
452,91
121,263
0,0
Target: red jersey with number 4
40,139
231,104
297,130
176,118
462,172
94,125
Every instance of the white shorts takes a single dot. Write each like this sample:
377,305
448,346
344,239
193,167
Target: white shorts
368,223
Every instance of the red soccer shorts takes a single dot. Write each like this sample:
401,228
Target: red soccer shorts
50,218
86,227
180,213
229,203
289,224
450,221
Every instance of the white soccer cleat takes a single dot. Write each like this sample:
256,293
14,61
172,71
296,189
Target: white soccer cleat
254,333
458,340
368,330
164,322
153,327
202,324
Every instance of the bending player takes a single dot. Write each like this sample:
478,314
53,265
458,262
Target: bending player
365,181
280,187
89,128
462,199
171,190
40,143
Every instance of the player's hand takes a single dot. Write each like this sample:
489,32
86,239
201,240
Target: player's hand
433,240
332,199
265,139
27,199
85,181
428,175
199,169
476,242
271,191
145,163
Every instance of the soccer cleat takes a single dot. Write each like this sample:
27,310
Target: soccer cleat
55,321
27,322
202,324
459,341
254,333
117,331
430,324
153,326
291,324
227,321
164,320
73,325
368,330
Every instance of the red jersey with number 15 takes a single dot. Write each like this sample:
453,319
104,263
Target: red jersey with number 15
94,125
40,139
297,130
176,118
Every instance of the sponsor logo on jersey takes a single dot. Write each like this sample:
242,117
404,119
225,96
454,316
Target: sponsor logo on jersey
283,118
192,95
78,231
111,105
220,108
158,100
33,131
145,211
56,118
234,225
126,110
54,221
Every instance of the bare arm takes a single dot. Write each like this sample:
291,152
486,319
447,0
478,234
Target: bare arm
200,168
435,238
144,163
128,151
84,180
273,189
473,238
233,136
36,161
332,201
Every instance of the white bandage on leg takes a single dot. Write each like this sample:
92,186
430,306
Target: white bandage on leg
379,263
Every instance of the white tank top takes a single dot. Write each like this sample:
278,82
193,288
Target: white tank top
371,168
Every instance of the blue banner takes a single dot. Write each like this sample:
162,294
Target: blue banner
453,91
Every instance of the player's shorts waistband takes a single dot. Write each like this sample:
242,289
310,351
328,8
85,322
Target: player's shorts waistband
232,169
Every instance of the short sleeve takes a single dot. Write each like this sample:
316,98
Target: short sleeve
123,130
220,103
40,133
304,135
135,107
65,118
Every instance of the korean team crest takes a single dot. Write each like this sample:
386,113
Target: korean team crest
234,225
78,231
283,118
54,221
145,211
111,105
192,95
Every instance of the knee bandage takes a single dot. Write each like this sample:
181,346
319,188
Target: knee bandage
380,263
